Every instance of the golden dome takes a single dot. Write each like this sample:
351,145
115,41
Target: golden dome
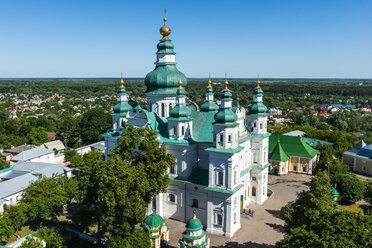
121,81
258,83
209,82
179,84
226,83
165,30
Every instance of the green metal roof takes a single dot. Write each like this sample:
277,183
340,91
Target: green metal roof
194,224
199,176
229,150
122,108
278,154
165,47
225,191
202,130
226,116
153,220
209,106
335,192
164,80
257,108
293,146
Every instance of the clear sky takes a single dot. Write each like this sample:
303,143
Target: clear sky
277,38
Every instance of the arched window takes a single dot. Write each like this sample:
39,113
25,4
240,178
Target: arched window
235,177
169,108
174,130
162,114
261,125
195,203
254,124
183,130
221,137
172,198
219,178
253,191
154,203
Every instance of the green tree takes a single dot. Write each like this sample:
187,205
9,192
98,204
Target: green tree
94,123
45,198
121,188
138,239
17,215
38,136
310,205
51,237
31,243
3,164
6,228
313,221
351,187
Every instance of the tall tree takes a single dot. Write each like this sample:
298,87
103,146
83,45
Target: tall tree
45,198
121,188
6,228
38,136
94,123
351,187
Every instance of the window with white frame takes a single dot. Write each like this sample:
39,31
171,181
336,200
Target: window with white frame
218,218
172,198
183,130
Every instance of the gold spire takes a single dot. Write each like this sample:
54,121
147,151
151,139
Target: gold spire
258,81
226,83
179,83
209,82
165,30
121,81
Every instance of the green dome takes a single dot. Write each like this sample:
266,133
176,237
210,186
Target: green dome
226,95
225,116
257,108
258,91
194,224
165,46
164,80
209,106
236,107
153,220
180,111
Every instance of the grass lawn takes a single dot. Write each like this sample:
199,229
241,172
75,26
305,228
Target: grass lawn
353,208
22,232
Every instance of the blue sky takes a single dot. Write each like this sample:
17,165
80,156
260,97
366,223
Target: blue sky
316,39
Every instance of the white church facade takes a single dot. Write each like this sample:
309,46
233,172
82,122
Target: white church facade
221,151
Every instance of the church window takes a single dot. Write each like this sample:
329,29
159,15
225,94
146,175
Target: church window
195,203
154,203
172,198
254,158
219,219
162,114
254,178
235,177
219,178
260,125
294,167
253,191
229,137
174,131
183,130
171,169
363,168
221,137
170,108
264,158
254,124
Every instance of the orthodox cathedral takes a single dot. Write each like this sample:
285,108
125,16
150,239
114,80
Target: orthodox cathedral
221,151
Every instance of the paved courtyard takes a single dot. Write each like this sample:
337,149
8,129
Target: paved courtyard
266,228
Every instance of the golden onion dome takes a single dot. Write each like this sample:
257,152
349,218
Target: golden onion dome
165,30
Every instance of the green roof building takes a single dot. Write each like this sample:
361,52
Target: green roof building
157,230
194,236
291,154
